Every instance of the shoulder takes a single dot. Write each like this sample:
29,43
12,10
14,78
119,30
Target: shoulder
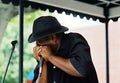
77,38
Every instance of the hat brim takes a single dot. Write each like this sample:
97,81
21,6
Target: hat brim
32,38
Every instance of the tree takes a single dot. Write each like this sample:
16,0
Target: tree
7,12
9,21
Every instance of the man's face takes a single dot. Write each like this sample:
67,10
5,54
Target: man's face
50,41
43,42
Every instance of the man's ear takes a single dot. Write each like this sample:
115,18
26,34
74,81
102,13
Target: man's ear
53,36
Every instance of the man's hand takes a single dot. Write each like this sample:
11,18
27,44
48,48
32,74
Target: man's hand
43,51
36,52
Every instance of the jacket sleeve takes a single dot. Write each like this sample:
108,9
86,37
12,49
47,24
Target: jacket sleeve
81,57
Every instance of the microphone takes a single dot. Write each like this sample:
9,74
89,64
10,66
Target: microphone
14,42
40,65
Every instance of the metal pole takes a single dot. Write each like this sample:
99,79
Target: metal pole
9,59
106,13
21,42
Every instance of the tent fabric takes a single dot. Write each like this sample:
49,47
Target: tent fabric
100,3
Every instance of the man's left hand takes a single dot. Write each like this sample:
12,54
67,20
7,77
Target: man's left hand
45,52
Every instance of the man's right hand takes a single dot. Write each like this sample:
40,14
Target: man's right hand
36,52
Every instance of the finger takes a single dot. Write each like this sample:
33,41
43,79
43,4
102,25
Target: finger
37,48
36,52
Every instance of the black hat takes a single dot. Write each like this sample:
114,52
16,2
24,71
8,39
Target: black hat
44,26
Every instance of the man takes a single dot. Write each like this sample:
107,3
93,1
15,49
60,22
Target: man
67,57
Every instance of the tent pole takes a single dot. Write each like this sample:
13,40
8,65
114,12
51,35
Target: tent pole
106,13
21,12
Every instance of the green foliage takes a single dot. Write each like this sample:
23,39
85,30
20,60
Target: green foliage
12,33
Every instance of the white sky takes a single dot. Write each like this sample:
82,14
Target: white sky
74,22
